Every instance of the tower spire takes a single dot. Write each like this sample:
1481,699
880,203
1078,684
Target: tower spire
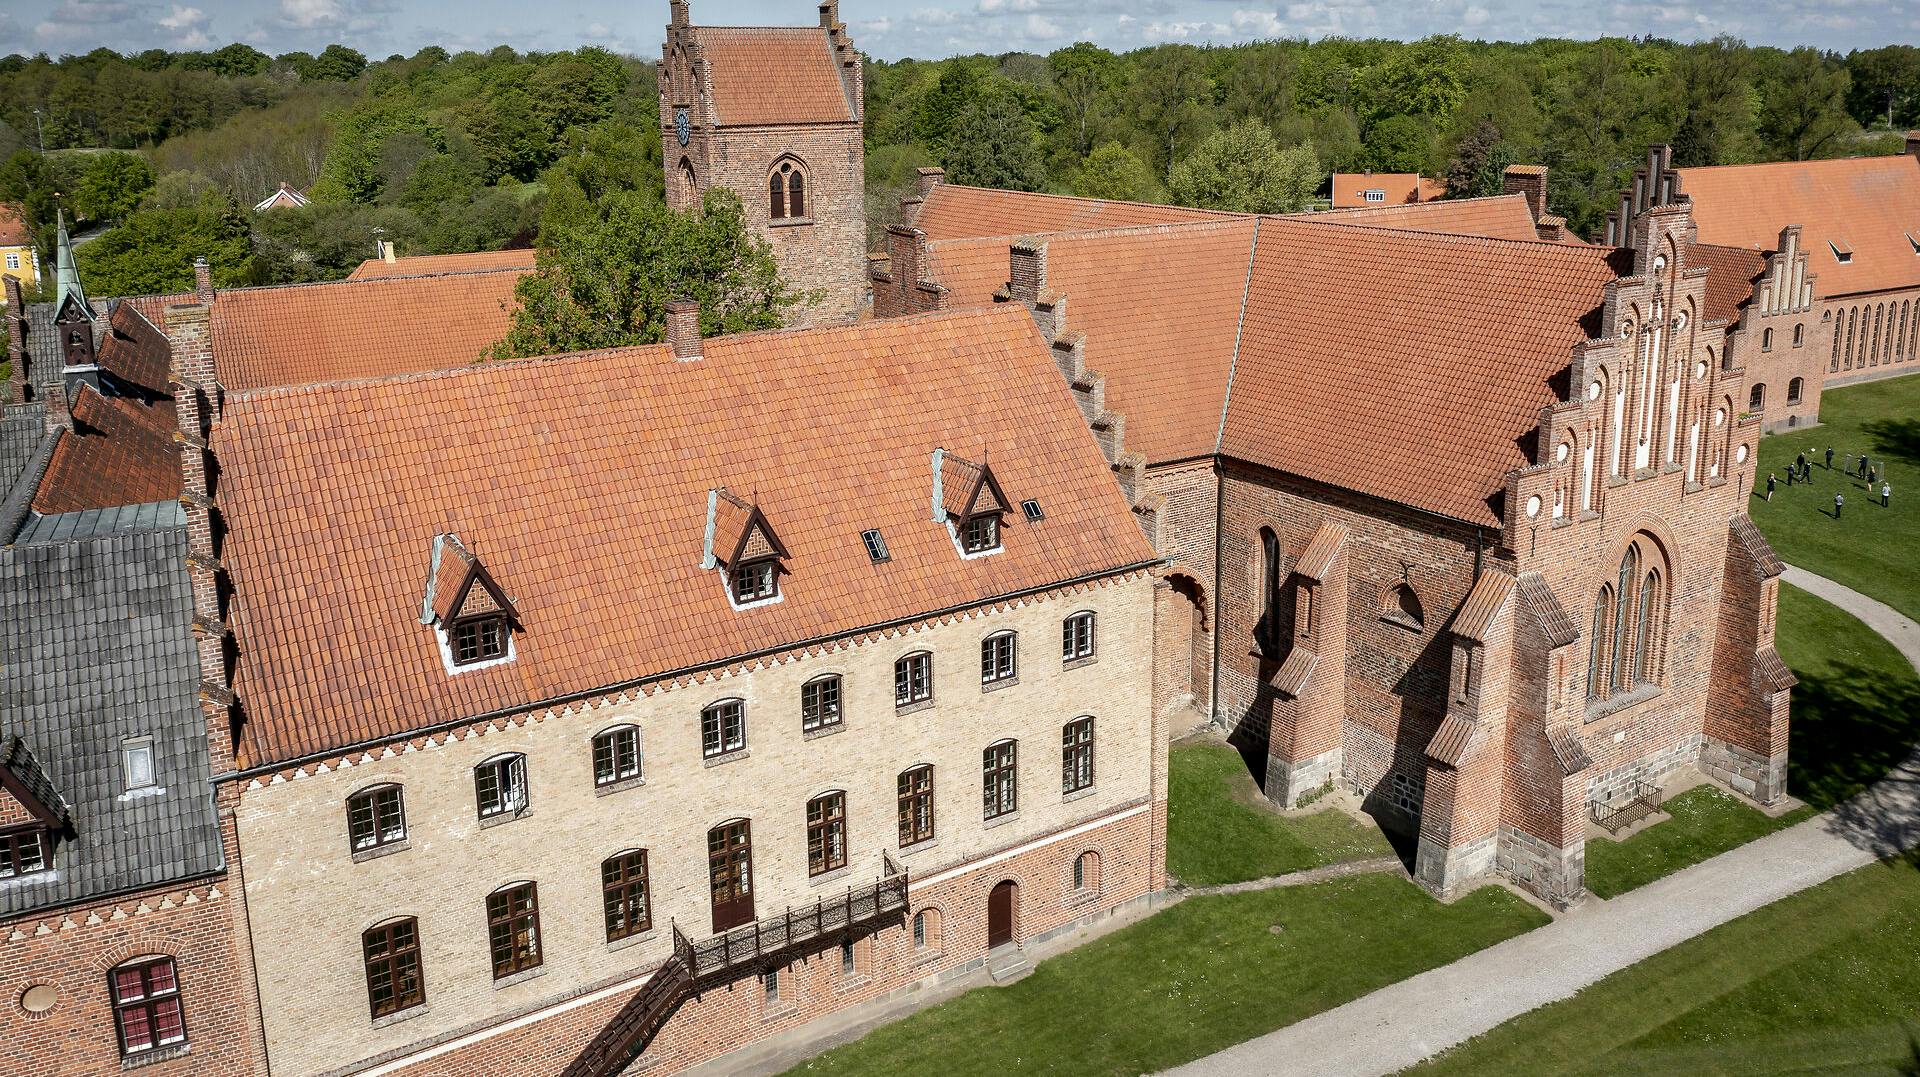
66,270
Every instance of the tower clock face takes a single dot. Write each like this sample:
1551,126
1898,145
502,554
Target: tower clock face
682,125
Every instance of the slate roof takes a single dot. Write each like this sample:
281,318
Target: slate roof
430,265
22,427
582,480
96,646
1870,205
119,452
772,75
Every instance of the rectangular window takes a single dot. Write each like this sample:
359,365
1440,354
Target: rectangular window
616,755
393,967
376,817
999,788
997,658
513,929
23,852
916,806
847,964
826,833
1076,755
820,703
754,581
723,728
770,986
479,639
136,762
146,1006
623,888
876,544
913,679
13,261
1076,637
981,533
500,785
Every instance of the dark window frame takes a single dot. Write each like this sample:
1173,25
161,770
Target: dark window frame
1076,755
505,775
1000,658
716,736
14,840
914,799
913,679
822,703
616,755
826,833
481,638
1078,636
626,897
1000,779
980,532
150,1004
394,967
372,816
513,929
753,581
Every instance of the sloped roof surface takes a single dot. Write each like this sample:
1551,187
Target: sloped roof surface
1731,273
582,480
429,265
1399,188
1868,204
956,212
135,350
119,452
773,75
1502,216
13,226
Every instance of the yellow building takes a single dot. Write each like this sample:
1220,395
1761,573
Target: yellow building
17,256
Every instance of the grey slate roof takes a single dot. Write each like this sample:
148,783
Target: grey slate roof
21,428
93,523
96,647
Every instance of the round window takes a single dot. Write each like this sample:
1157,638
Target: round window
39,998
1740,454
1533,505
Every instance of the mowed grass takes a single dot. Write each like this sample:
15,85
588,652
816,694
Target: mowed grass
1219,832
1826,981
1870,549
1856,712
1203,975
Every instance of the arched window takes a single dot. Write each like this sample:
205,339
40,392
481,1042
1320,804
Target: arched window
513,929
1086,871
915,787
1756,397
146,1005
391,952
723,728
820,703
786,191
1629,623
926,929
1629,570
1649,604
1794,389
912,679
500,785
1268,629
1596,644
376,816
625,903
999,779
1799,334
1766,340
616,755
827,833
689,187
1402,607
999,659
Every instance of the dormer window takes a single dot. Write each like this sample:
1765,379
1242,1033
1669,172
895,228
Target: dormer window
756,581
473,616
1374,194
981,533
1841,252
743,547
24,851
969,500
479,639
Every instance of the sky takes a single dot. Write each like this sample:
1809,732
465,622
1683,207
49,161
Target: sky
891,29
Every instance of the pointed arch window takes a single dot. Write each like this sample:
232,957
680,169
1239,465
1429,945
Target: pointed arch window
1629,624
1629,568
786,191
1596,644
1648,603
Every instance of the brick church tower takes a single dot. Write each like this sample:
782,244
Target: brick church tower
774,114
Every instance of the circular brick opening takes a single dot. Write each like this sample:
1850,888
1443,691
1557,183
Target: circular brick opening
39,998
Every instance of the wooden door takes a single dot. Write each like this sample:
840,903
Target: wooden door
1000,913
730,871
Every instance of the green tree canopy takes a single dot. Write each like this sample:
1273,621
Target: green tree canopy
1114,171
1805,113
1398,144
152,251
112,186
992,145
1245,170
1083,73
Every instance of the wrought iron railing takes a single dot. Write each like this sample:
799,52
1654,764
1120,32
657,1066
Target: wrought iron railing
1642,800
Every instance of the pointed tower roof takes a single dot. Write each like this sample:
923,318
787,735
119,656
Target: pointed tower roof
66,270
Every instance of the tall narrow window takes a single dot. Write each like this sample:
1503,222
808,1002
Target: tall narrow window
1076,637
1629,569
616,755
999,772
1268,629
913,679
820,703
1596,648
916,805
623,894
513,929
1766,340
392,953
1643,630
376,817
723,728
500,785
796,192
998,661
146,1005
1756,397
776,195
1076,755
826,833
1799,334
1794,389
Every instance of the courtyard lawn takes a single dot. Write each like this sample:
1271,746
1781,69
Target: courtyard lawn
1219,831
1856,712
1870,549
1203,975
1825,981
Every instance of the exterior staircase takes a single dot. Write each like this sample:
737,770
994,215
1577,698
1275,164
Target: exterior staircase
1006,964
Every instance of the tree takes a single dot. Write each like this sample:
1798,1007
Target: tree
1885,86
1805,114
1114,171
1243,169
607,284
336,63
1715,83
956,89
152,251
1170,93
1083,74
1398,144
1427,78
1479,164
112,186
992,145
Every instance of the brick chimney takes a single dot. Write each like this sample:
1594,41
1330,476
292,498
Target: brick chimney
1913,143
1530,181
16,342
906,248
677,9
929,178
202,281
1027,271
683,329
829,14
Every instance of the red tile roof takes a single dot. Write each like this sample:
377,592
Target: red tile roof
428,265
1159,307
1399,188
119,452
135,350
1503,216
1731,274
1868,204
952,211
13,226
580,481
773,75
357,329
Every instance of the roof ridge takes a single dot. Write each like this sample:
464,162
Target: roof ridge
1585,249
254,289
1101,233
1404,205
1855,159
1239,333
1222,213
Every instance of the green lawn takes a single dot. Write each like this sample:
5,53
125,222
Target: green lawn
1218,832
1826,981
1870,549
1856,712
1193,979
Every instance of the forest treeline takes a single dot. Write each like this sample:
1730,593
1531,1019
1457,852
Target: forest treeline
442,152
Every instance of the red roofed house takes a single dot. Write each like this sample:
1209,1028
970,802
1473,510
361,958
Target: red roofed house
774,113
1459,513
1355,190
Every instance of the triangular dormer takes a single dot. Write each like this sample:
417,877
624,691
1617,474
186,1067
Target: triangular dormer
744,546
968,499
475,618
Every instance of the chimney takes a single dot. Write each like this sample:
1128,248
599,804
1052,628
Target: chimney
190,370
1027,271
683,329
16,342
202,281
1913,143
1530,181
387,253
929,178
829,14
678,10
905,245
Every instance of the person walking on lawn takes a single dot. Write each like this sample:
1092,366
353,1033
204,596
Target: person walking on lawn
1829,458
1770,485
1863,465
1886,492
1800,461
1873,476
1839,502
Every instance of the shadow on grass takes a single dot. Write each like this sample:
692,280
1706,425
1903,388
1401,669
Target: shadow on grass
1854,731
1898,438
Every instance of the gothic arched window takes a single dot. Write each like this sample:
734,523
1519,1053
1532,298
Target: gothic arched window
1629,568
1596,641
786,191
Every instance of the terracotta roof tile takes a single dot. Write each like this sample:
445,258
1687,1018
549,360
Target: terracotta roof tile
431,265
1759,550
357,329
952,211
119,452
1449,743
1292,676
1483,604
1398,188
1731,274
1868,204
773,75
13,226
1546,609
1502,216
135,350
1318,557
1773,673
582,480
1568,750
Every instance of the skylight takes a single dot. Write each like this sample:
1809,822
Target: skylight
876,546
1032,509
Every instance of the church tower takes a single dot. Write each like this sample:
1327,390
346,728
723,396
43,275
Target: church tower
774,114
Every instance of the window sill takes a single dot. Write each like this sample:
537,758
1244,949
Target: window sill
909,708
919,847
520,977
789,222
156,1056
620,786
628,943
823,731
1076,663
1001,820
1624,701
779,1011
361,856
398,1016
726,757
848,983
995,686
835,875
503,818
1398,621
1077,794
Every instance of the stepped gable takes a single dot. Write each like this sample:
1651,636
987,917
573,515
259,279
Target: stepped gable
1868,207
950,211
583,480
433,265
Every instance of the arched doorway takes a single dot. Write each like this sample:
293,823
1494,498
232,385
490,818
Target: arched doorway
1002,905
1182,653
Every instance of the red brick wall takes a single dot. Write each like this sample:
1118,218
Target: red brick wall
1868,334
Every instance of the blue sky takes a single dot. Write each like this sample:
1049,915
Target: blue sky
895,28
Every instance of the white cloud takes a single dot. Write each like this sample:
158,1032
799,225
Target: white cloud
311,14
1257,23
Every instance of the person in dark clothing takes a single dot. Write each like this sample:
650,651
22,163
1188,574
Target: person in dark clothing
1800,461
1789,475
1829,458
1863,464
1769,486
1873,475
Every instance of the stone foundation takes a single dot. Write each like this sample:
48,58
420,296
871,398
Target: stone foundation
1288,783
1617,784
1555,875
1451,872
1760,777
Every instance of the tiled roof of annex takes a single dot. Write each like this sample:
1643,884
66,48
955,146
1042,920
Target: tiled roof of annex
1500,216
1868,206
1731,273
119,452
772,75
13,226
581,480
433,265
953,211
1348,188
